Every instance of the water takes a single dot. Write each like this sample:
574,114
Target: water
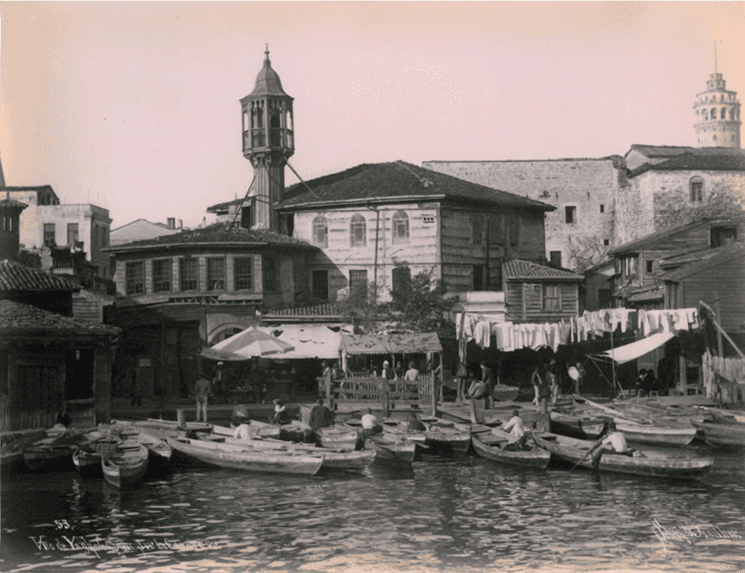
446,514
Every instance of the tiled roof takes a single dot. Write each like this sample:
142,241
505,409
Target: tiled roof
15,277
8,202
730,160
319,309
519,269
388,181
657,151
17,318
217,233
718,256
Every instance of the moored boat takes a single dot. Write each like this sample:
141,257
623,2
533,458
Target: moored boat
243,457
255,428
55,449
391,449
577,426
337,436
164,428
722,435
650,464
11,453
87,456
446,435
124,466
494,448
654,435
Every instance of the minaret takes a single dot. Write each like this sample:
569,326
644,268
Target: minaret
268,141
717,113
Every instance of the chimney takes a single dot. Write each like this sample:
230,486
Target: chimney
180,223
171,223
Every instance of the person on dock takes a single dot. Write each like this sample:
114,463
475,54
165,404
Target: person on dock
281,416
411,377
516,428
487,378
320,415
613,443
387,372
370,424
535,379
552,377
577,373
202,391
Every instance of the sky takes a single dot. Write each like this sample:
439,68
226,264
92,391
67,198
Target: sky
134,106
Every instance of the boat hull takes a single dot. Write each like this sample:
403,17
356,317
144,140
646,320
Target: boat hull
582,428
445,435
534,458
651,465
245,458
47,456
391,451
125,468
657,435
337,438
722,435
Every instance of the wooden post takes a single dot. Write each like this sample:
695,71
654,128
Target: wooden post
433,390
472,410
384,383
327,381
718,317
181,417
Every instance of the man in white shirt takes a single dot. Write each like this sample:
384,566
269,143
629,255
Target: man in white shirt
613,443
370,424
516,428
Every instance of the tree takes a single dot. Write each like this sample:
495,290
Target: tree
419,304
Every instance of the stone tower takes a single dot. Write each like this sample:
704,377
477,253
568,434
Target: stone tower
717,115
268,141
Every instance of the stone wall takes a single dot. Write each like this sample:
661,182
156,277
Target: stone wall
588,185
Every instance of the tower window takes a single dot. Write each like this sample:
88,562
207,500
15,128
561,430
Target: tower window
400,225
602,208
713,113
705,114
321,231
697,189
732,113
358,231
723,113
570,214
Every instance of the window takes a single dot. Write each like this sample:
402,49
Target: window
570,215
495,229
320,285
269,273
705,114
358,231
602,208
243,273
321,231
215,274
629,266
162,275
551,298
400,280
713,113
696,190
477,229
287,224
49,240
400,226
555,257
650,265
248,215
478,277
721,236
606,242
514,232
358,283
188,274
723,113
72,233
135,278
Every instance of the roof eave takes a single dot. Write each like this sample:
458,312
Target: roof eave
223,245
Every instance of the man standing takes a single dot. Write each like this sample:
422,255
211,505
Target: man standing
487,378
411,377
202,392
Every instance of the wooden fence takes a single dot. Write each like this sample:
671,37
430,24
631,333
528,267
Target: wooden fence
724,378
378,393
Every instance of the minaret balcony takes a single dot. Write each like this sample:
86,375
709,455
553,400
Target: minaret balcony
256,140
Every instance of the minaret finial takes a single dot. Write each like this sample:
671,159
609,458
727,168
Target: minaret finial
715,57
266,52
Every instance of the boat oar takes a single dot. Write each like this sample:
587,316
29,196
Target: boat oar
595,446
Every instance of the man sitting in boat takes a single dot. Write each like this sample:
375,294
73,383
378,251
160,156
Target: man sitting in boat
281,416
370,424
613,443
516,428
320,416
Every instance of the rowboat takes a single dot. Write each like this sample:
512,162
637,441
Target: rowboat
390,449
242,457
577,426
492,448
11,453
295,431
158,450
651,464
124,466
723,435
446,435
333,458
337,436
54,449
255,429
87,457
164,428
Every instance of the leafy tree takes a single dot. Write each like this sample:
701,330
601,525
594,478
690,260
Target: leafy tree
419,303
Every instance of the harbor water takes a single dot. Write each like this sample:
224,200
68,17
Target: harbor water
444,514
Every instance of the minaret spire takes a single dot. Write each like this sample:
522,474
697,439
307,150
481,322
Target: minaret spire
715,56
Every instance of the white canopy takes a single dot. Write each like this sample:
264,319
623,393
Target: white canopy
629,352
309,340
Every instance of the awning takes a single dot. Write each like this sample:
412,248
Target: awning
391,343
629,352
309,340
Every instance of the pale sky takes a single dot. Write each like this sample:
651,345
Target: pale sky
134,106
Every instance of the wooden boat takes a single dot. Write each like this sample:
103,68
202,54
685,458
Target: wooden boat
245,458
333,458
256,429
124,466
396,429
337,436
164,428
158,450
654,435
391,449
651,464
722,435
54,449
446,435
492,448
87,457
295,431
505,393
11,453
577,426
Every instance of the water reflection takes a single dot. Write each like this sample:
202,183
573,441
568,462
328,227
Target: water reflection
461,513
